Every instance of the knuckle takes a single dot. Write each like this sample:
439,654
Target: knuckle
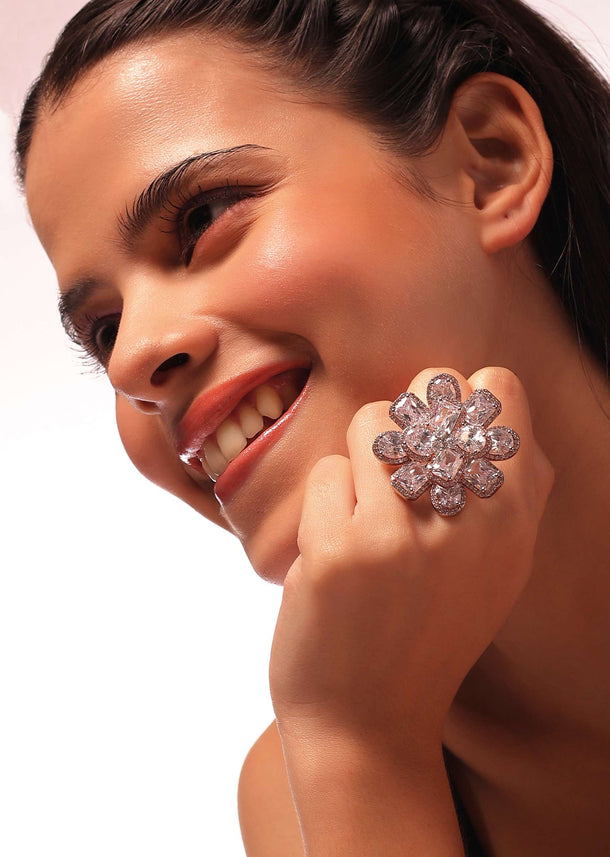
368,411
324,548
429,372
499,379
437,537
369,414
388,546
324,471
329,553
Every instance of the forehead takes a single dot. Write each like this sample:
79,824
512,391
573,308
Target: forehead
140,111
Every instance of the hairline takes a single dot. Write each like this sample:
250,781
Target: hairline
52,97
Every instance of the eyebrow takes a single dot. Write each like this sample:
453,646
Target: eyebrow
148,204
140,213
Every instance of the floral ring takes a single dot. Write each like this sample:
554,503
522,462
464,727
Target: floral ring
446,445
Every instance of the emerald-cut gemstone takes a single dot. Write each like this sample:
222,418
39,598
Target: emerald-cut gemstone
482,477
446,464
408,410
411,479
481,408
445,417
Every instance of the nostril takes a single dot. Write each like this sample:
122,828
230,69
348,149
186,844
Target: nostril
160,373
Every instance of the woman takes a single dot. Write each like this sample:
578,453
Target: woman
268,220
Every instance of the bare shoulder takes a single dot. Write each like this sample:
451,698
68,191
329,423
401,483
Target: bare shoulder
267,817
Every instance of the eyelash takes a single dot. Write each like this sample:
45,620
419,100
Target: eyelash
86,332
187,203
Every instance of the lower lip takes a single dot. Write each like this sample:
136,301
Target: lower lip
227,485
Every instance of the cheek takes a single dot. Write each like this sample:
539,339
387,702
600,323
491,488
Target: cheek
337,274
149,451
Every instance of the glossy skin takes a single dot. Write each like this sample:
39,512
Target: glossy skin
338,261
335,244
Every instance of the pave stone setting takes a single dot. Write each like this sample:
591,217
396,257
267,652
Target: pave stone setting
446,445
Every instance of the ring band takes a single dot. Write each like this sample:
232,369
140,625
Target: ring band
447,445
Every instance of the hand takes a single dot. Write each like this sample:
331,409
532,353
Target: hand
389,604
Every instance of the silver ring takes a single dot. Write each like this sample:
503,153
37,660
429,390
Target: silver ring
447,445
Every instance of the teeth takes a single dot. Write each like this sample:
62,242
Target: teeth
250,420
230,439
268,402
214,457
207,469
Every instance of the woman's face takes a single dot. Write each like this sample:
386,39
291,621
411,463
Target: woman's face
295,246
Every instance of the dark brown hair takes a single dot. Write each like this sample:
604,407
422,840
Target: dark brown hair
396,64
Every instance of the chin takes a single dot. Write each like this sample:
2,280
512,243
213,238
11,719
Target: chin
270,557
268,531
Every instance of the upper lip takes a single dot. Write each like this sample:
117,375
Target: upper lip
211,408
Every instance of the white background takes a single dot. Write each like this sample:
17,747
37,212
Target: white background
134,636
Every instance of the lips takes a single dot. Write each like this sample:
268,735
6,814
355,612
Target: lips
218,408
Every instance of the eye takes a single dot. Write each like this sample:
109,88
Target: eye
199,219
102,337
196,215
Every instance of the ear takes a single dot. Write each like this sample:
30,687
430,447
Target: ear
507,155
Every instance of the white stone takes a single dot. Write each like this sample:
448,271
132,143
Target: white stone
443,386
504,442
388,447
408,410
445,417
446,464
482,477
411,479
481,408
448,501
471,438
420,441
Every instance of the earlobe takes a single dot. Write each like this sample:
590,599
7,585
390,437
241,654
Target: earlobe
507,155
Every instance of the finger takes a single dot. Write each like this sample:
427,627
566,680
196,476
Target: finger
419,384
371,476
328,506
520,471
374,491
527,473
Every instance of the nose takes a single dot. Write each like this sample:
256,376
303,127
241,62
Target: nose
159,350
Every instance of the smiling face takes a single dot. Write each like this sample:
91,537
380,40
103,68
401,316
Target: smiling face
293,244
